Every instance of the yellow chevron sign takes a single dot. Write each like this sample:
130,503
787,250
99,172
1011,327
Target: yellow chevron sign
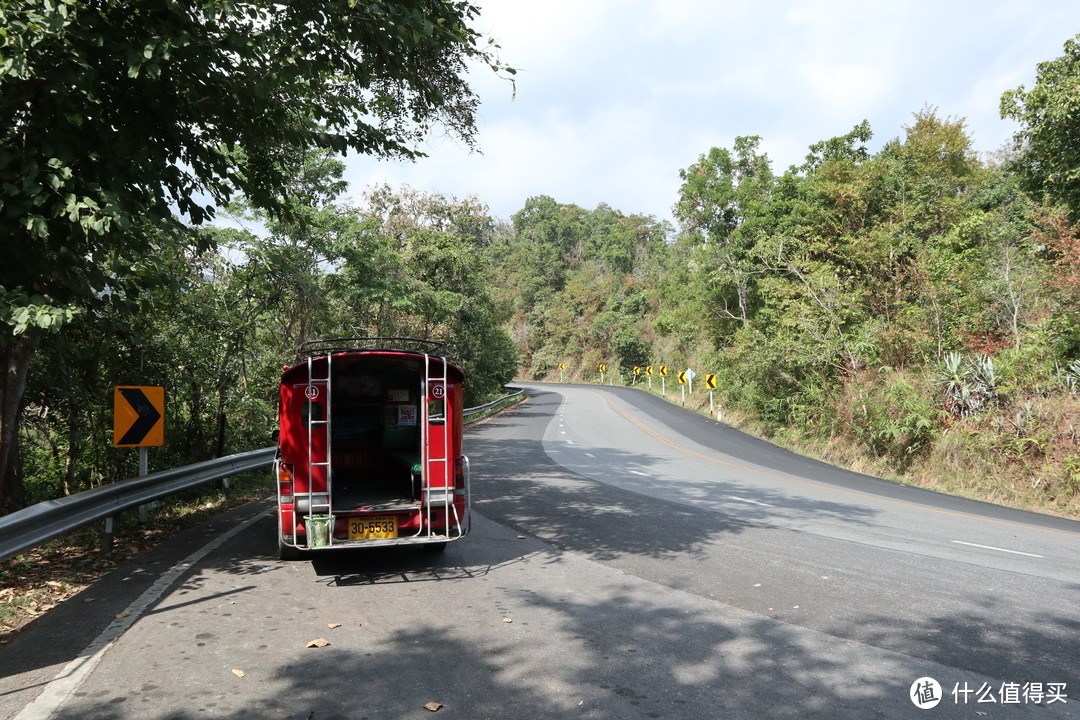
138,416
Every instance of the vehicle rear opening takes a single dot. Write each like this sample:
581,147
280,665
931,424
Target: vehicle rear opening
376,452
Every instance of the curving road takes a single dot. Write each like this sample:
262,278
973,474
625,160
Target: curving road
692,504
629,560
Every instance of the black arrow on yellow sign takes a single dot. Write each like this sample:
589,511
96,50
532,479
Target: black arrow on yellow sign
137,417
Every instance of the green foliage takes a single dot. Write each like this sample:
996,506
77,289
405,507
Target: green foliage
1070,482
630,347
894,417
1048,143
117,115
918,259
161,105
969,384
1072,377
217,335
942,272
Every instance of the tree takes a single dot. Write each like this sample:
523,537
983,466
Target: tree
1048,141
115,113
410,264
721,201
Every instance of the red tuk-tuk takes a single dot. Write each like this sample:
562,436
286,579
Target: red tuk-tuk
369,447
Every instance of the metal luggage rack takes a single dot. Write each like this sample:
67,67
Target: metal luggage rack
313,348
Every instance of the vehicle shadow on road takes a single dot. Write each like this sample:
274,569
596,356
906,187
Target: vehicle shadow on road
390,565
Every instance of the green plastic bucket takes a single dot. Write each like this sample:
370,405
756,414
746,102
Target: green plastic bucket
318,528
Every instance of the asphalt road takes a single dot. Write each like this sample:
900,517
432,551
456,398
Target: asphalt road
628,560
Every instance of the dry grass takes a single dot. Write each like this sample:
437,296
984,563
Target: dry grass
1026,455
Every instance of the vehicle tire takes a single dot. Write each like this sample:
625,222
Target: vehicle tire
436,547
288,552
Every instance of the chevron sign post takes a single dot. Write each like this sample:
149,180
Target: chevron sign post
138,421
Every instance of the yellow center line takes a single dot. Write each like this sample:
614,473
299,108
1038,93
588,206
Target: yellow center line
820,486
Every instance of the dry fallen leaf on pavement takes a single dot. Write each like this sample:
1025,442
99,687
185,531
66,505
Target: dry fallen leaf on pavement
508,620
433,706
318,643
120,616
238,672
333,625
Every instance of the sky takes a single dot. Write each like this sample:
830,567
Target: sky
614,97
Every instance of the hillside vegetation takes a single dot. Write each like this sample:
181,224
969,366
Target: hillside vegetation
912,312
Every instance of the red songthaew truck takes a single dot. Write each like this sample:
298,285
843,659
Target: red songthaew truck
369,447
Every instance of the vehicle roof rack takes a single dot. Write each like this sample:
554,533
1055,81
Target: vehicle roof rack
396,344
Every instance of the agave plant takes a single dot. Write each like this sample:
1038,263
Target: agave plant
1072,377
985,373
969,385
953,373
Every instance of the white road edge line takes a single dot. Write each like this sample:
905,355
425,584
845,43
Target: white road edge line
990,547
72,676
748,500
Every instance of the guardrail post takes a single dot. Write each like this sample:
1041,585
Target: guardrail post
107,536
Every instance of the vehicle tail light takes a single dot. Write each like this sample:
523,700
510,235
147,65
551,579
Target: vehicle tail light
461,477
285,481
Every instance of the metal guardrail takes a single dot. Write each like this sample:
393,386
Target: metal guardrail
44,521
493,405
37,524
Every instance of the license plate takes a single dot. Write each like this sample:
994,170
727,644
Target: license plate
373,527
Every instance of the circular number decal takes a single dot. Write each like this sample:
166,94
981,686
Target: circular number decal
311,392
438,391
